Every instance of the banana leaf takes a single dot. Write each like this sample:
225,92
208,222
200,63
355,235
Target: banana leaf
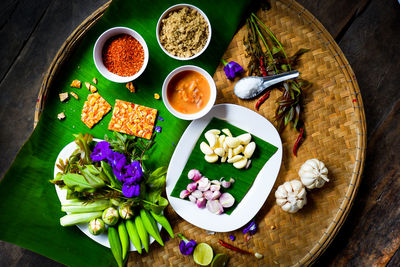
244,178
30,209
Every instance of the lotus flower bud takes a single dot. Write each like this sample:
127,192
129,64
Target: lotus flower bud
194,175
197,194
184,194
204,184
214,207
96,226
125,211
192,198
201,203
110,216
191,187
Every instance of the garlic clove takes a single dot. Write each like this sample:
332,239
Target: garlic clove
201,203
230,153
235,159
227,132
232,142
241,163
249,150
194,175
219,151
203,184
211,158
184,193
238,150
221,139
214,207
223,159
213,131
226,200
244,138
197,194
206,149
211,139
191,187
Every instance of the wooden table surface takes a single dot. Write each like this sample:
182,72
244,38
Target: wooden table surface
367,31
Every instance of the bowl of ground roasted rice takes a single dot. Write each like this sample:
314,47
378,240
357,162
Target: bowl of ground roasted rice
183,32
120,54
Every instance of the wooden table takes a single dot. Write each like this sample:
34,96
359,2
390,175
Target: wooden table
367,31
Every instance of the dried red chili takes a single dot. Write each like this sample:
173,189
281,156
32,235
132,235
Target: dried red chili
298,141
229,246
262,100
262,67
123,55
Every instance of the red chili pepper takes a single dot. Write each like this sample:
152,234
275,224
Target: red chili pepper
297,143
262,99
262,67
229,246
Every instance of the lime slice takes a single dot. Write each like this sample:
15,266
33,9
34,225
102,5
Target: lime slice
220,260
203,254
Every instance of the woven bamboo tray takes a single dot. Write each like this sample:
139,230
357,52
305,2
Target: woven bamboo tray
336,128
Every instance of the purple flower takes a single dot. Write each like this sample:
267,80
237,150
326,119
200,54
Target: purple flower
160,118
158,129
117,160
120,174
101,151
232,237
134,172
185,246
130,190
251,229
232,69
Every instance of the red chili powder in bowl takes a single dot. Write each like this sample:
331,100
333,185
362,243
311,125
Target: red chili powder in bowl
123,55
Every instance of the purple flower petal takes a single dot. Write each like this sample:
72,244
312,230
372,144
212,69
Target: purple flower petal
158,129
232,237
252,228
160,118
130,190
101,151
117,160
232,69
134,172
186,247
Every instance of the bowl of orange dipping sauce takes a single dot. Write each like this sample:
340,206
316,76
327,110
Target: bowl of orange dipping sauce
189,92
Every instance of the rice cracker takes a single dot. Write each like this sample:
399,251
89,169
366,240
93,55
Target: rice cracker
133,119
94,109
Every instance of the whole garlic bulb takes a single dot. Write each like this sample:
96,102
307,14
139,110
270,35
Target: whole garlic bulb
291,196
313,174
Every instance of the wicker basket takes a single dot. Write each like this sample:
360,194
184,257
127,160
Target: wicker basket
336,134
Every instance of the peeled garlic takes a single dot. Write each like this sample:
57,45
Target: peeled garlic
206,149
221,139
223,159
249,150
240,164
244,138
313,174
238,150
235,159
211,138
232,142
230,153
213,131
219,151
291,196
211,158
227,132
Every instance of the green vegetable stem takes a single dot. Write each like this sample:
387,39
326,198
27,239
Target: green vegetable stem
75,218
144,237
123,236
150,227
164,222
115,245
134,235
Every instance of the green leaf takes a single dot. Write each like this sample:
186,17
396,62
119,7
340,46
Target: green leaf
93,179
77,183
107,170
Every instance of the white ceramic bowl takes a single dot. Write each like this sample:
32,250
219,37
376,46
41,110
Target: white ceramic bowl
211,101
98,51
177,7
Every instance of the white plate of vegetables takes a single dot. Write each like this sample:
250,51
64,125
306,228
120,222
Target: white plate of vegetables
211,218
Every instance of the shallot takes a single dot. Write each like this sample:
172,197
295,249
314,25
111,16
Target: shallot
215,207
194,175
226,200
184,194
